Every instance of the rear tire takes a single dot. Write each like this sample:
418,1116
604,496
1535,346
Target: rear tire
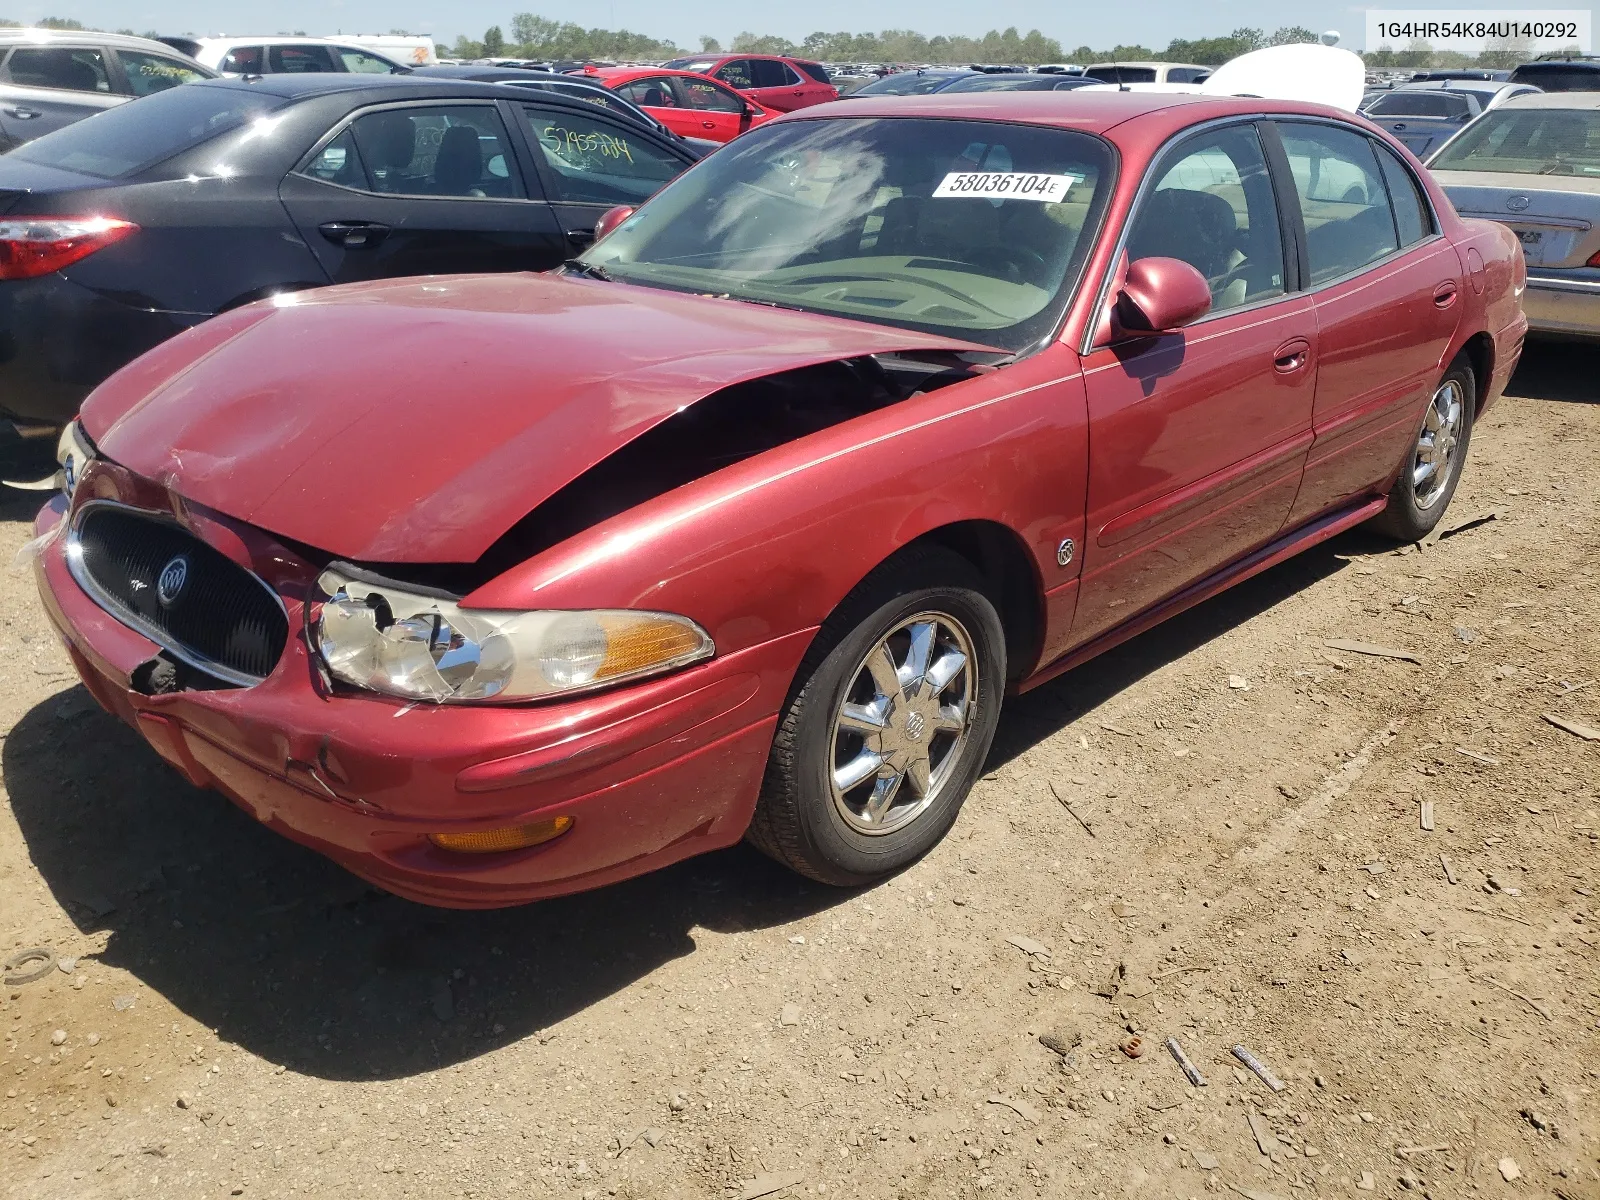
891,717
1420,495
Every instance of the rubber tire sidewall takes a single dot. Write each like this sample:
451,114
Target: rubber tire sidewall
1402,519
811,836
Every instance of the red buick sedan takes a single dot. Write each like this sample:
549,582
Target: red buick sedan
686,103
744,525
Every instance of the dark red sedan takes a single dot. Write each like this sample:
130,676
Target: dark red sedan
745,524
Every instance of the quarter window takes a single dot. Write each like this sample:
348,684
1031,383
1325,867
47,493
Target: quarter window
339,162
70,69
592,161
1213,208
362,63
461,150
154,72
1412,218
1345,204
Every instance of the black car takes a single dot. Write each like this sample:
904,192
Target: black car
1018,81
1561,73
565,85
122,230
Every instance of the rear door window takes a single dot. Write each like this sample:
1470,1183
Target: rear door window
64,68
1343,198
592,160
448,150
298,60
149,73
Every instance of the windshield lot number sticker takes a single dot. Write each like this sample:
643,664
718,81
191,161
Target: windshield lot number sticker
1009,185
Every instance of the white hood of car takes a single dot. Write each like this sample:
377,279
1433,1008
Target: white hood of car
1311,73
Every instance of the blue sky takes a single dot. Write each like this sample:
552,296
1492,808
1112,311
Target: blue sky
1152,22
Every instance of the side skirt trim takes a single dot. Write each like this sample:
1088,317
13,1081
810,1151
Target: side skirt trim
1270,555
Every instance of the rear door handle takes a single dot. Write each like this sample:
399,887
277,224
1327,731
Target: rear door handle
24,114
354,235
1444,295
709,124
580,237
1292,356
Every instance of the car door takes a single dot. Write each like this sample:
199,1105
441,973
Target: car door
778,86
43,88
588,162
421,189
1388,293
1197,438
738,73
712,111
656,96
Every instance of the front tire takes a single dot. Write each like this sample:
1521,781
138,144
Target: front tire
1432,469
887,729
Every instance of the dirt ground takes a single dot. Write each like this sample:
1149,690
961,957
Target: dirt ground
1244,861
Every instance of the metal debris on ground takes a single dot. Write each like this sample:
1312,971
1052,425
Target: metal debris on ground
1259,1069
1587,733
25,966
1408,1151
1190,1071
1487,760
1373,649
1426,816
1449,873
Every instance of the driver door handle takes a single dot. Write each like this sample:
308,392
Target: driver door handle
1292,356
354,235
23,114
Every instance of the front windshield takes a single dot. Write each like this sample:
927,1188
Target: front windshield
971,229
907,83
1527,141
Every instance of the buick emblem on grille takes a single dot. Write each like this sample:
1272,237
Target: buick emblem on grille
1518,202
173,577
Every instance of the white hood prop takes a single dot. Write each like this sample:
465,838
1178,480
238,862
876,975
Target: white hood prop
1311,73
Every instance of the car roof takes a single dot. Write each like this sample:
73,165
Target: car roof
1569,100
326,83
276,39
48,37
1077,108
624,74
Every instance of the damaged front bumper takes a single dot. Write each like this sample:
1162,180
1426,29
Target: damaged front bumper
649,774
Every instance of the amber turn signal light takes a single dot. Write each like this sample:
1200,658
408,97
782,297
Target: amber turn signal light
493,841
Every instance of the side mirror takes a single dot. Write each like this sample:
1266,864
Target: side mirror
1160,295
610,219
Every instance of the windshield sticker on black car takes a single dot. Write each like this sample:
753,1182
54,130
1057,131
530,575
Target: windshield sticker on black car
1011,185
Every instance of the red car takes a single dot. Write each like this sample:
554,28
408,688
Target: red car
686,103
781,84
744,525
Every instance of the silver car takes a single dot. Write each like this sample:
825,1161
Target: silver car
1533,163
51,78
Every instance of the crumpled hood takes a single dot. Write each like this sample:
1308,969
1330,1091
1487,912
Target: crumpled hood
418,420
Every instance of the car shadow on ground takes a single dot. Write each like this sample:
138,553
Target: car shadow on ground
1560,371
285,954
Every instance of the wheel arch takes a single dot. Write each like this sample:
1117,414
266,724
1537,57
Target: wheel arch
1479,353
1000,556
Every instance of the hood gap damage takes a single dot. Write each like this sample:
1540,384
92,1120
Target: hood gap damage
723,428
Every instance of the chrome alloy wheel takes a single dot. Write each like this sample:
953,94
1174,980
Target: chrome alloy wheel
1434,463
903,722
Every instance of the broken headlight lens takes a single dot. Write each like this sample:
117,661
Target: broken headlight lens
420,647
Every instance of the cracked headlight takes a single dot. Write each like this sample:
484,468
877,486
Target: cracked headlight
420,647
